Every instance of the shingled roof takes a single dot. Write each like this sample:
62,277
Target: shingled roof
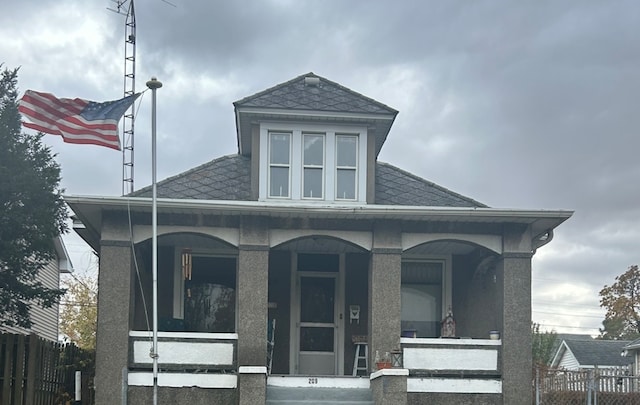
310,98
228,178
598,352
297,94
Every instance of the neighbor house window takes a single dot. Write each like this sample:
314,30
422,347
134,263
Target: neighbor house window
313,166
422,298
210,295
279,164
346,167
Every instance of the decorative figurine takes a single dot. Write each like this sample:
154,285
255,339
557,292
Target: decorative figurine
448,326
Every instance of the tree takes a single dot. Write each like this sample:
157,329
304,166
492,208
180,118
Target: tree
79,311
542,344
622,302
32,212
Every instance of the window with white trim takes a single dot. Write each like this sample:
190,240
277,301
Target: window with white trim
279,164
313,166
346,167
309,162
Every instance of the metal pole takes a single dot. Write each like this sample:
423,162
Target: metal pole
537,385
154,84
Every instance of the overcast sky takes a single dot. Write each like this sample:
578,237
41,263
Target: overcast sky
527,104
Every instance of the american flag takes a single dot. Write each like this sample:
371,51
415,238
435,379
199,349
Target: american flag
76,120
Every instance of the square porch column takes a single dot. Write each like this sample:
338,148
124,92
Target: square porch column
384,290
252,299
514,276
114,314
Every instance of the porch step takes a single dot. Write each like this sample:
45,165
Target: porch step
318,396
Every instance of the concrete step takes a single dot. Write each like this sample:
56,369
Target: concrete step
318,396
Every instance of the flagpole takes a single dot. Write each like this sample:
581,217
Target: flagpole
154,84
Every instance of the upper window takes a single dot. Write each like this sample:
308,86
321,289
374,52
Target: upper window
313,166
279,164
346,167
313,162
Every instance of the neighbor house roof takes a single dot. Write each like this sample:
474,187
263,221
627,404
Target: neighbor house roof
590,353
228,178
311,98
633,345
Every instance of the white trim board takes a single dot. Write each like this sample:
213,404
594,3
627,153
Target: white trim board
454,385
179,380
318,382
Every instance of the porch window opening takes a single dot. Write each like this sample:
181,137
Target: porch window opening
313,166
210,295
421,298
279,164
346,167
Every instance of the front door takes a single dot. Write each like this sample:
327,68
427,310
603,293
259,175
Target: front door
317,326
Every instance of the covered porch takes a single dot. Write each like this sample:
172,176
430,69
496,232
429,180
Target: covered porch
322,290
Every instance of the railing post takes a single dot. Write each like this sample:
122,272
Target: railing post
78,387
537,385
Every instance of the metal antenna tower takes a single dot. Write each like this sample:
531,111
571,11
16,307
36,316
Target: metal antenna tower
128,124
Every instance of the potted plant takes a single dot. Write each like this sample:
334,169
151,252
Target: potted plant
383,362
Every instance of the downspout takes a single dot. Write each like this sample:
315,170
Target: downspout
541,239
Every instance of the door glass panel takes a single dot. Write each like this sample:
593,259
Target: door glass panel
317,298
316,339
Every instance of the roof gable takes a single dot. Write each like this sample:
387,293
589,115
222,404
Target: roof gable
312,92
311,98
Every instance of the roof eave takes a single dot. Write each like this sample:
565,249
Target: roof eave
89,211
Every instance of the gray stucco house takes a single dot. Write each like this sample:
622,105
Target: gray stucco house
306,227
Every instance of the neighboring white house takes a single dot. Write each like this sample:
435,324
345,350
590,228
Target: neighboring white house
632,351
580,354
45,320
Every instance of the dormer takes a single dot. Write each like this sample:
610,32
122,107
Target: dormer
312,140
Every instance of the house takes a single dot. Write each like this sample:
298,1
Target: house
45,320
632,350
306,227
580,354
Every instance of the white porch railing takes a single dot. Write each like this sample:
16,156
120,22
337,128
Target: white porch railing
453,365
185,351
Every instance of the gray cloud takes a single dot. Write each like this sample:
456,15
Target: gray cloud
516,104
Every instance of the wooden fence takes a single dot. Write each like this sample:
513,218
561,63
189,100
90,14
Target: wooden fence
35,371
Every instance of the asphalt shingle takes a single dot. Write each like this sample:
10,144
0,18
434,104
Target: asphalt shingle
229,178
326,95
599,352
